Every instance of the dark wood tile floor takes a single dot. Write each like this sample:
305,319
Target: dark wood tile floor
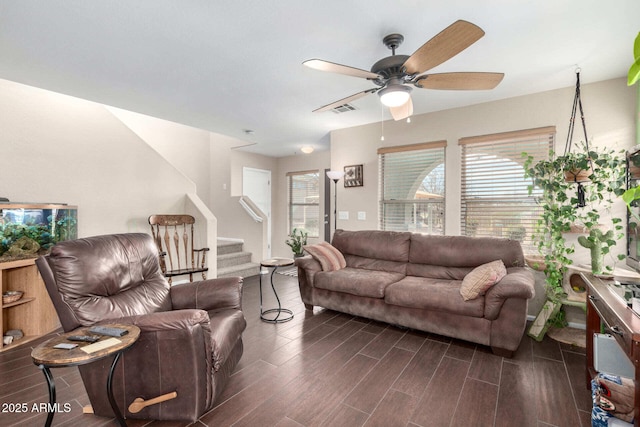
329,369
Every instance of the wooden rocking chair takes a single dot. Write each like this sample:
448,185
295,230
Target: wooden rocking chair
173,235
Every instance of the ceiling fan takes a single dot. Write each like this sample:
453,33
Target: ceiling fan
395,75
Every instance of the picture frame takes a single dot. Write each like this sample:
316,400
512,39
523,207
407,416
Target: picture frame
353,176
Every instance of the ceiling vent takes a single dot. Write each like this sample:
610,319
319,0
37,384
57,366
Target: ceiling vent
344,108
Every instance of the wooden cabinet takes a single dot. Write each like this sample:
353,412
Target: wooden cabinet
34,313
606,311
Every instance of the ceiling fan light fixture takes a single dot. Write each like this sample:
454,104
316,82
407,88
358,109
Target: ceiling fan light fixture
394,96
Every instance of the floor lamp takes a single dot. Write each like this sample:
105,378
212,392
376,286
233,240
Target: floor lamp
335,176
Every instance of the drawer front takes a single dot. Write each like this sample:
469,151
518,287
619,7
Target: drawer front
613,325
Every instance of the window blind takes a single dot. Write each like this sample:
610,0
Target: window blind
412,183
304,201
495,200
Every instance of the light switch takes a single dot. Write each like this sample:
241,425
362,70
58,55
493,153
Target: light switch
343,214
362,216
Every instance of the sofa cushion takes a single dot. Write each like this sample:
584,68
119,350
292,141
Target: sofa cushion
482,278
365,283
355,261
437,271
433,294
329,257
375,244
464,251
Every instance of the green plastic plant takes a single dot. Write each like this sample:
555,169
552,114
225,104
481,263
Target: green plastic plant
297,239
595,242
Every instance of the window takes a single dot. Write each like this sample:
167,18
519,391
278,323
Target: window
495,195
412,188
304,201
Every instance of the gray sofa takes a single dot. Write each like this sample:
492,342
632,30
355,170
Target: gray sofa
413,280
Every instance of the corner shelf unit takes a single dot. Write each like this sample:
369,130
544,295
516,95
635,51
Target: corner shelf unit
34,313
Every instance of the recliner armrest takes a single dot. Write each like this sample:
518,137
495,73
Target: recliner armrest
165,320
174,353
518,283
207,295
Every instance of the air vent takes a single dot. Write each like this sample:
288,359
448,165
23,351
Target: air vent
344,108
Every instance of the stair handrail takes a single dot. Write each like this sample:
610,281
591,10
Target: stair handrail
247,207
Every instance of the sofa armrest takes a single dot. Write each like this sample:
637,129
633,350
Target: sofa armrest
518,283
308,266
212,294
308,262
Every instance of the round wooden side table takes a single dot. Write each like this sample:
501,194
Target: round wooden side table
275,263
46,357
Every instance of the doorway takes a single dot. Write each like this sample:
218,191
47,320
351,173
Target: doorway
256,184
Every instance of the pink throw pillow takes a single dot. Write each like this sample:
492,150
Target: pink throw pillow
328,256
481,278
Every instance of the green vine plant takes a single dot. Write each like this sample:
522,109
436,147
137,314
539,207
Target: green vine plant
558,199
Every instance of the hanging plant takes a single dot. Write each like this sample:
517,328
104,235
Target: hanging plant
578,168
559,201
575,188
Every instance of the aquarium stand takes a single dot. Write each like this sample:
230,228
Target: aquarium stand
34,313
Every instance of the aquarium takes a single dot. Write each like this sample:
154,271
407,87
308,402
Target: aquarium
28,230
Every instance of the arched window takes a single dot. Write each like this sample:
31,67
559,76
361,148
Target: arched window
412,188
495,199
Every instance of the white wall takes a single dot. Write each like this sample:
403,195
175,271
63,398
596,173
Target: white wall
183,147
57,148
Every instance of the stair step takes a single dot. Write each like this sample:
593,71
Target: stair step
228,246
243,270
235,258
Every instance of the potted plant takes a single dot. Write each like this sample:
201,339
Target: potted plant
297,240
559,200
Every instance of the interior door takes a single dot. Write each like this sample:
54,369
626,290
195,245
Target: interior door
256,184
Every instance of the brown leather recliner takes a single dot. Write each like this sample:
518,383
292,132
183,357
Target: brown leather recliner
191,334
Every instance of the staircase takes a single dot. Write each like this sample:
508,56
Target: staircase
232,261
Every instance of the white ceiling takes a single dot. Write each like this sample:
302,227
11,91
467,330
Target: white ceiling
228,66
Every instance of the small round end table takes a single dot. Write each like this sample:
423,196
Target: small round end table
275,263
45,357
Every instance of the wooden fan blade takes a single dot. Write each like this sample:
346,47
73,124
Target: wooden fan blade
445,45
403,111
460,81
319,64
344,101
